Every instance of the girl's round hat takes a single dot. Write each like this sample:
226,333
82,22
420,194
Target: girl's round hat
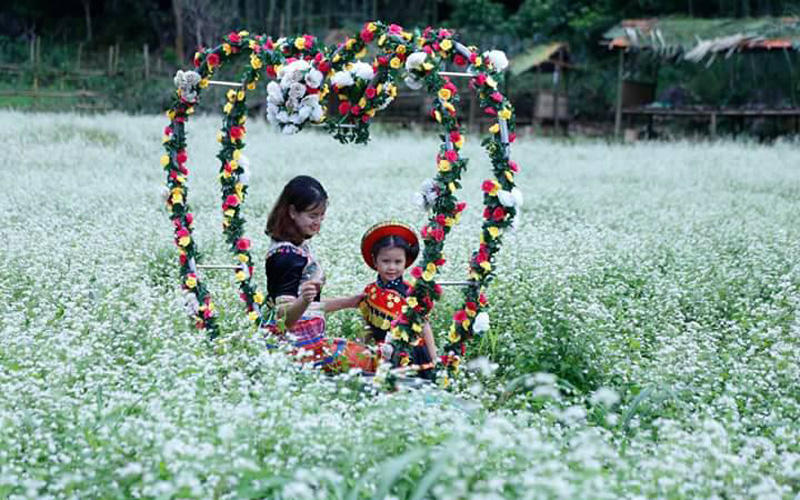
390,228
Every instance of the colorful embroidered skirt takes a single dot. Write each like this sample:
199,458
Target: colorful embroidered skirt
307,335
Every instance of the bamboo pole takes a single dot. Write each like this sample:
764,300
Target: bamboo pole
146,57
110,59
618,111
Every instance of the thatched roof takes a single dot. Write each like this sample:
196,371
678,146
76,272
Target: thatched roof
545,56
694,39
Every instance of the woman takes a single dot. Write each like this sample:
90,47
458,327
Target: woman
295,280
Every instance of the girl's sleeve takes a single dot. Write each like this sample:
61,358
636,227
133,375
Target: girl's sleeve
284,270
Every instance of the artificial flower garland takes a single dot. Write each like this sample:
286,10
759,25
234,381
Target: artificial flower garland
363,90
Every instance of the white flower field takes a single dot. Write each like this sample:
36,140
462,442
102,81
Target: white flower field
644,338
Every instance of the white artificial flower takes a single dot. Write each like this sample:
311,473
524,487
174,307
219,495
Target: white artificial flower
297,91
429,191
506,198
304,112
282,116
363,70
418,199
244,176
191,78
317,113
243,161
481,323
310,100
189,95
274,93
296,118
192,304
498,59
415,60
290,129
179,79
413,83
314,78
518,198
342,79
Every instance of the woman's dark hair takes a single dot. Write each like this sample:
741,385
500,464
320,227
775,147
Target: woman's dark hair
393,241
302,193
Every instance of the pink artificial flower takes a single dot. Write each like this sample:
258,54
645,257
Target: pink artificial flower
365,118
496,96
395,29
344,108
189,219
437,289
355,110
455,136
243,244
167,130
512,137
451,156
231,201
441,219
490,111
459,60
234,37
487,186
416,272
480,79
440,262
482,299
367,35
438,234
309,41
268,45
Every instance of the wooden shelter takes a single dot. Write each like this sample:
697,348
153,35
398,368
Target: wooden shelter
551,102
696,40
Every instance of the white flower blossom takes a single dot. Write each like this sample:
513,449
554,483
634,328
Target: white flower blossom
415,60
481,322
362,70
413,83
314,78
506,198
518,198
497,58
342,79
297,90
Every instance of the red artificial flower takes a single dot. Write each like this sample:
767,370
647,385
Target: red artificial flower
471,306
496,96
182,259
437,289
487,213
271,72
428,303
318,57
424,232
482,299
243,244
427,49
490,111
370,92
481,79
182,169
460,316
441,219
438,234
436,46
512,137
455,136
367,35
213,60
365,118
416,272
449,86
499,214
167,130
231,201
181,157
440,262
180,233
207,313
473,57
463,349
268,45
513,166
383,61
487,186
460,206
237,132
309,41
189,218
451,156
234,37
324,67
344,108
355,110
459,60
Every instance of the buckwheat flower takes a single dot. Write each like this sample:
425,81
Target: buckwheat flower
498,59
415,60
363,71
342,79
604,396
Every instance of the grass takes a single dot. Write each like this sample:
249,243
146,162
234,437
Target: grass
644,331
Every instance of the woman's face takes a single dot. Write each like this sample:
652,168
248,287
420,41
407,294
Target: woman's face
309,221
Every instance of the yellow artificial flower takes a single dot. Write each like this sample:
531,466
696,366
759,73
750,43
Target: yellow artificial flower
379,88
252,315
165,139
382,40
460,142
465,324
404,361
491,82
258,298
494,231
445,94
495,129
486,265
337,58
438,116
372,27
349,43
203,83
478,61
474,276
220,136
243,258
446,44
230,212
504,113
482,239
239,190
452,187
449,107
395,62
226,47
444,165
236,155
431,267
404,308
412,302
401,49
427,66
240,276
453,335
471,312
362,103
361,53
227,108
495,188
445,382
251,86
416,327
509,175
427,276
231,95
252,44
392,90
244,33
255,62
449,221
240,95
184,241
164,160
171,114
190,110
181,179
371,112
225,174
420,42
300,43
191,282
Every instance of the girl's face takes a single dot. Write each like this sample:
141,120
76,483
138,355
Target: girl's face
390,263
309,221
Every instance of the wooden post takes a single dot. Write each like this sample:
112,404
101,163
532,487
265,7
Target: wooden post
618,111
713,126
80,56
146,57
116,57
472,124
271,17
110,59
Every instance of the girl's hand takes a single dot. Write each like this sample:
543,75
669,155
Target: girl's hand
309,291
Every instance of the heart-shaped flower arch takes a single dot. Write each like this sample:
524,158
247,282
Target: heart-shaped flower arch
417,58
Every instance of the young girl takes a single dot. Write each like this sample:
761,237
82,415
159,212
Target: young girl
295,280
390,248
